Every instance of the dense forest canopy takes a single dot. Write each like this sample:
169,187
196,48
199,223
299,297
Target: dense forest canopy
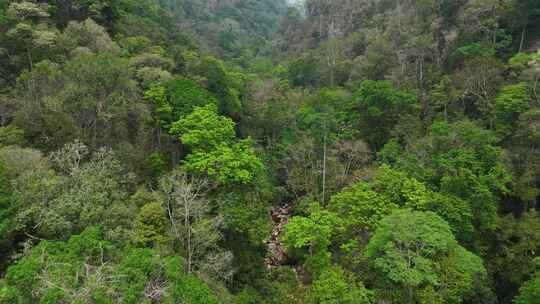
270,151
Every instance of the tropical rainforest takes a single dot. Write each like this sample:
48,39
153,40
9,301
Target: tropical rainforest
269,151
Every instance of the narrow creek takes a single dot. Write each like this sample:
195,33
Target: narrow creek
277,255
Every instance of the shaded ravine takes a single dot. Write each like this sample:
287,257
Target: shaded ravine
276,255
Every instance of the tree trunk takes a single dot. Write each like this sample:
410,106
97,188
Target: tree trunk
324,168
159,138
30,61
188,237
398,6
523,35
99,106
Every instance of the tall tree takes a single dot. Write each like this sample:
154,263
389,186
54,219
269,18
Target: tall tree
194,227
418,259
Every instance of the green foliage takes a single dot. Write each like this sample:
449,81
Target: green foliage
11,135
137,268
186,288
28,35
529,293
7,211
89,194
314,232
55,128
303,71
185,95
215,151
49,272
461,160
456,211
520,60
399,188
156,164
475,50
512,261
444,93
161,109
175,99
246,211
107,91
88,269
204,129
466,278
135,45
410,251
95,93
512,101
376,109
322,115
361,207
334,287
405,245
86,36
220,82
226,165
151,224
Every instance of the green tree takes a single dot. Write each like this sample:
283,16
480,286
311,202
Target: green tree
222,83
518,240
175,99
88,269
238,164
35,113
512,101
480,23
215,151
186,288
104,11
414,252
86,37
529,293
11,135
478,82
334,286
99,92
303,71
321,115
185,95
7,212
363,205
49,274
204,129
86,192
314,233
377,108
522,14
462,160
30,35
151,224
522,150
